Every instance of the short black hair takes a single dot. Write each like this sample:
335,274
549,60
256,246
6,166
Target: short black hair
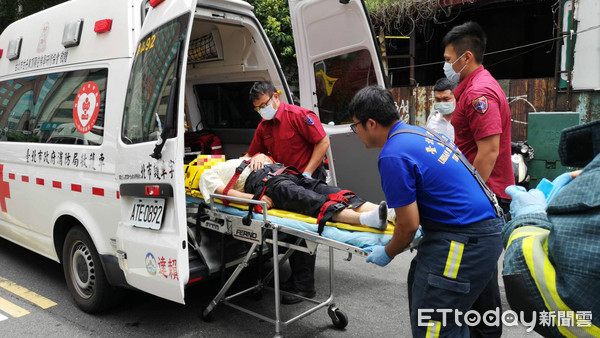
374,103
259,88
467,37
444,84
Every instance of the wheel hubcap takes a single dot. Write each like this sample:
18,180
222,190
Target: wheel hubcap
82,270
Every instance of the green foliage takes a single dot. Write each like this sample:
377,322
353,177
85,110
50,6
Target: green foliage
274,16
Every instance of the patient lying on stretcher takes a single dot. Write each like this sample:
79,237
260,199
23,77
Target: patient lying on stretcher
286,189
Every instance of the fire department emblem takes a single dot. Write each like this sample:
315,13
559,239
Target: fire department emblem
151,265
480,104
309,121
86,106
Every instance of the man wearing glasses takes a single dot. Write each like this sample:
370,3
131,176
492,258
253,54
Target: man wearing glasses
293,136
460,217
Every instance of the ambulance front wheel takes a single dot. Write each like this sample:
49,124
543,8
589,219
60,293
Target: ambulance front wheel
84,273
338,318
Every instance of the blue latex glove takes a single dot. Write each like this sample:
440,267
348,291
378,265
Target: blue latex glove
307,175
526,202
378,256
558,184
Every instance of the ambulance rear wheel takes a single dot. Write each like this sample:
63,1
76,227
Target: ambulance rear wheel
84,273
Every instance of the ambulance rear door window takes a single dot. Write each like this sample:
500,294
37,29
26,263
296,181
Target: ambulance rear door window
338,79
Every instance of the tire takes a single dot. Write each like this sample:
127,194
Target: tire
84,273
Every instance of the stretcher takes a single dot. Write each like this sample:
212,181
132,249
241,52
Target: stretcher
264,230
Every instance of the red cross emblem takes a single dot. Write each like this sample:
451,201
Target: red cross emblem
4,190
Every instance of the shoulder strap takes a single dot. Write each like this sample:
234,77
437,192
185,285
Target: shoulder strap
234,178
433,135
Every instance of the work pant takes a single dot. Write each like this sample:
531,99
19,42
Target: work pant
489,299
452,267
294,192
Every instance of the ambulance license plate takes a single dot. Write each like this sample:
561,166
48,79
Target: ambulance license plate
147,213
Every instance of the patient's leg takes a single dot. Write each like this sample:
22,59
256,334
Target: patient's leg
376,218
367,206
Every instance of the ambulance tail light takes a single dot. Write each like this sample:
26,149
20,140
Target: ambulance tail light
1,52
152,190
155,3
103,26
72,33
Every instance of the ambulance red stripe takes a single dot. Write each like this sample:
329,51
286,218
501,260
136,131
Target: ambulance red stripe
98,191
59,185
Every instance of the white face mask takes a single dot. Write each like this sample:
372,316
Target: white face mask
445,108
268,112
449,71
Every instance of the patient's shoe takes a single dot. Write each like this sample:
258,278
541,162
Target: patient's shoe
376,218
383,213
291,299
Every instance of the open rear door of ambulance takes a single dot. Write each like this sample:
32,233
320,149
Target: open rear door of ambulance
151,238
337,56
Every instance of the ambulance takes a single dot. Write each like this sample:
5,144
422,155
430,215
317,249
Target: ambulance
97,96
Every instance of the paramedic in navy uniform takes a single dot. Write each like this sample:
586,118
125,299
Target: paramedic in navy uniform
293,136
461,243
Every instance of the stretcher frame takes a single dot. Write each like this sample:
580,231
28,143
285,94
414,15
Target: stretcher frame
254,232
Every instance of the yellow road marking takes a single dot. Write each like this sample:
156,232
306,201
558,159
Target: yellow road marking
22,292
12,309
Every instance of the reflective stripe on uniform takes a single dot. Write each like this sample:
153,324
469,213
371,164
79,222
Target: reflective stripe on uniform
433,329
524,232
544,275
453,261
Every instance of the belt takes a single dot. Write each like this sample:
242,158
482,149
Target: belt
490,226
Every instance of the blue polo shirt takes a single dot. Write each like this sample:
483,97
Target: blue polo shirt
415,168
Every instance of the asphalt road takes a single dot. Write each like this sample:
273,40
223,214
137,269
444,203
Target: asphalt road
374,299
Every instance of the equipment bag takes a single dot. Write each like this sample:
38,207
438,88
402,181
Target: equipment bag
203,142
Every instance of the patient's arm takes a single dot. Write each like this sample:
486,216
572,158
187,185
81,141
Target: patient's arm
235,193
407,223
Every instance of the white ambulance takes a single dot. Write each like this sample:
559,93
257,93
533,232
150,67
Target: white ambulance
94,99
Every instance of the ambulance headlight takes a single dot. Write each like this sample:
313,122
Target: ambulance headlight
72,33
14,49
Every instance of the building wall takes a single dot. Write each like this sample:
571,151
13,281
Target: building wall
524,96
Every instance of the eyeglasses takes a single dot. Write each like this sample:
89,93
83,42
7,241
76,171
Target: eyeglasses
354,125
259,107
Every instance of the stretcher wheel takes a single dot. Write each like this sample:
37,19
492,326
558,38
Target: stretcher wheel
208,318
338,318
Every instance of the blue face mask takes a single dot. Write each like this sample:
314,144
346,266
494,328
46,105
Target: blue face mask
445,108
449,71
